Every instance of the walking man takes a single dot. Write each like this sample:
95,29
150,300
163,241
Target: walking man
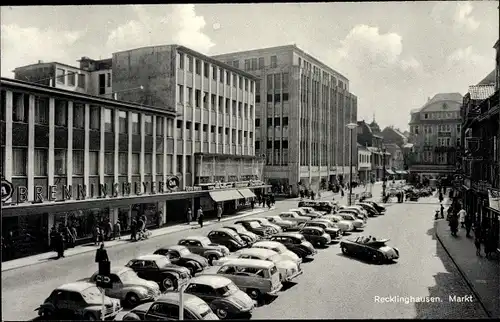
189,215
118,229
477,242
60,244
200,217
462,214
101,255
219,212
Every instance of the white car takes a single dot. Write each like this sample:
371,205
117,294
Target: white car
293,216
288,269
344,225
354,212
280,249
299,211
357,223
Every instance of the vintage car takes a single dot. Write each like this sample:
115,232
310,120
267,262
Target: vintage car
245,234
256,228
358,210
166,307
203,246
128,287
369,248
372,212
319,205
228,238
273,229
294,217
182,256
316,236
351,217
78,300
344,225
284,224
288,269
159,269
381,209
296,243
255,277
325,224
299,211
280,249
222,295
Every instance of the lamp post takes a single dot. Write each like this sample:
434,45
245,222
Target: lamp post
383,173
351,127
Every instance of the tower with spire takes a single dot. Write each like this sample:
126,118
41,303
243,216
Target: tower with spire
374,126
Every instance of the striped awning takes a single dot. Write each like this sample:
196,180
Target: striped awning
225,195
246,193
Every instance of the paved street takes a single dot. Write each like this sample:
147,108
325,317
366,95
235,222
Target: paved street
332,286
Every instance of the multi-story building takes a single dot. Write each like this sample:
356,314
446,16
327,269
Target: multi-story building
392,135
435,130
364,164
396,158
368,135
302,109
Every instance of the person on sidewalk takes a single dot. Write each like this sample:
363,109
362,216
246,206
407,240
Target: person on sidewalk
200,217
252,203
440,198
462,214
268,202
219,212
189,216
60,245
101,255
97,234
118,229
468,225
477,242
489,245
133,230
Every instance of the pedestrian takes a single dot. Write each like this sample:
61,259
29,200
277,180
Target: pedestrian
477,242
133,230
468,224
342,193
118,229
60,245
312,195
159,219
272,199
442,211
200,217
219,212
189,215
101,255
461,215
97,234
252,203
111,230
440,197
489,245
268,201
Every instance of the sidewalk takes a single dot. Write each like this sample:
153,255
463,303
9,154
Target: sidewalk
481,274
125,239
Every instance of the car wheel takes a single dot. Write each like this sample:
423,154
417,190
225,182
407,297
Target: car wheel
377,258
90,317
344,250
253,293
221,313
168,284
132,299
45,313
211,258
192,270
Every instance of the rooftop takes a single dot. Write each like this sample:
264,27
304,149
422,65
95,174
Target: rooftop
481,92
489,79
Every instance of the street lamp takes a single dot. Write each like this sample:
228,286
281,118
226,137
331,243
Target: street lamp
383,173
351,127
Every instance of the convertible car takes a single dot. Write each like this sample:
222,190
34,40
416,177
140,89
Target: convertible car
369,248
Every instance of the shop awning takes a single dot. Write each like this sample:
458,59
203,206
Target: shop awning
247,193
225,195
401,172
389,171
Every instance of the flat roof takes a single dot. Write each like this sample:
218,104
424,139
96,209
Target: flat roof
48,63
44,89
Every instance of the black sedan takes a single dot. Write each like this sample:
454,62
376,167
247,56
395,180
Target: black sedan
372,212
180,255
228,238
246,235
369,249
159,269
381,209
296,243
255,227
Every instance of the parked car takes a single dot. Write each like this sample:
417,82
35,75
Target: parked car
381,209
329,228
245,234
354,212
288,269
314,214
224,298
256,228
266,223
293,216
78,300
256,277
369,248
299,211
358,210
128,287
228,238
284,224
280,249
166,307
159,269
296,243
372,212
203,246
182,256
344,225
271,228
351,217
323,206
307,209
316,236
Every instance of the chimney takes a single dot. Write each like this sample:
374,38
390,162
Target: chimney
40,61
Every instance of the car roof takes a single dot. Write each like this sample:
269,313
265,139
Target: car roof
313,228
173,297
290,234
294,209
275,217
150,257
174,247
249,262
269,243
257,252
75,286
119,269
224,230
197,238
288,212
214,281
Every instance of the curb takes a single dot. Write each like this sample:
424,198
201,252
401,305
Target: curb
183,228
464,276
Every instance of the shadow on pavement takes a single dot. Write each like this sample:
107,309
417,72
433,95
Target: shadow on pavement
307,259
288,285
365,261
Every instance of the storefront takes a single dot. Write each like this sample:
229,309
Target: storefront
148,210
494,214
84,221
24,235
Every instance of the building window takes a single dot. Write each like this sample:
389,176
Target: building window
60,162
108,120
123,163
190,64
285,81
61,113
269,82
285,97
170,160
40,163
247,64
277,82
60,76
170,127
81,81
78,162
416,129
181,60
206,69
197,97
228,78
148,163
236,64
108,78
180,94
254,64
93,163
197,66
270,98
19,161
159,163
123,122
274,61
78,116
261,63
214,72
20,108
221,76
136,157
95,117
148,124
159,126
240,82
136,126
426,116
109,163
41,110
179,164
190,97
71,78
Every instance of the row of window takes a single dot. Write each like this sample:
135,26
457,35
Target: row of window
441,115
439,158
69,78
277,82
244,83
277,121
284,144
428,129
327,79
363,158
202,100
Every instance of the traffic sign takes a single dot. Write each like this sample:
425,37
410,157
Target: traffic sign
7,190
103,281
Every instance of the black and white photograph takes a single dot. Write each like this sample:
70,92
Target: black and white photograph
250,161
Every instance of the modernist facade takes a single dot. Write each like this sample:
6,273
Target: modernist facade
435,130
302,109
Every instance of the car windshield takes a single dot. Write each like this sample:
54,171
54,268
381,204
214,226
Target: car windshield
227,290
128,275
205,241
162,262
92,295
254,224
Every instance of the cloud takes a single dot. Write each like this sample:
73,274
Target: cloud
459,14
463,16
179,24
21,46
469,64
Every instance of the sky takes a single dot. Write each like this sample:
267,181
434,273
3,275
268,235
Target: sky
395,54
